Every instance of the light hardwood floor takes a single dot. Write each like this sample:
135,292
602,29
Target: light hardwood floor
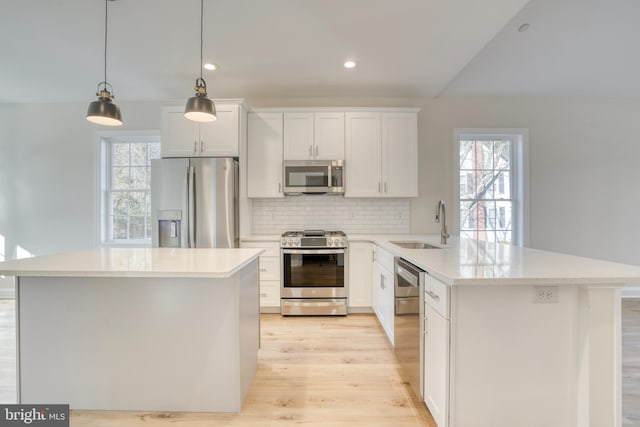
318,371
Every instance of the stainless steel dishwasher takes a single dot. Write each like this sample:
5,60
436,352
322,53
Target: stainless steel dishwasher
409,286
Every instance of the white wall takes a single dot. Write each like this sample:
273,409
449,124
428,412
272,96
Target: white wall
584,166
52,165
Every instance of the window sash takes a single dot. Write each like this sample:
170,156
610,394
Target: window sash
140,190
470,227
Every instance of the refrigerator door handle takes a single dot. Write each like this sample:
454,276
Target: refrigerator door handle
192,207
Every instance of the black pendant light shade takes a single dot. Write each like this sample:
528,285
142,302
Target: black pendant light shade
199,107
104,111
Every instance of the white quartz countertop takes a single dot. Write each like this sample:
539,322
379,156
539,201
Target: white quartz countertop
467,262
135,262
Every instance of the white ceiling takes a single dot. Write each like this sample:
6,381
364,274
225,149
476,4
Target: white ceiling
52,50
572,48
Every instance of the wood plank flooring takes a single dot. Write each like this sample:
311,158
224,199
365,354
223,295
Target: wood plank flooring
318,371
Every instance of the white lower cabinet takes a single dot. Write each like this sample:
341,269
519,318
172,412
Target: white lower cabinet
360,264
269,274
436,350
383,291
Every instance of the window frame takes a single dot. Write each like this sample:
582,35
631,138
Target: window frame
519,176
103,161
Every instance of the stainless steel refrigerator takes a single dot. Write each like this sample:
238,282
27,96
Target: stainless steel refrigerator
194,203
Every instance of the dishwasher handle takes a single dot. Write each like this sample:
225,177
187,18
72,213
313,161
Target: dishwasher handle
409,272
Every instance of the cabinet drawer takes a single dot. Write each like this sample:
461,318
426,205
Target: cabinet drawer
269,293
269,268
436,294
270,248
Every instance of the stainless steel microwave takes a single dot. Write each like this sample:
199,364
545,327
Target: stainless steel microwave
313,177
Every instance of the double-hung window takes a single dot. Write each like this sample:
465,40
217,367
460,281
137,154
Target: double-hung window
492,184
126,187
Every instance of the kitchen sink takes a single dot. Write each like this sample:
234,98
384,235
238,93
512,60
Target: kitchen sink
415,245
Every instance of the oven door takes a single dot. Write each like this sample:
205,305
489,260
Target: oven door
314,273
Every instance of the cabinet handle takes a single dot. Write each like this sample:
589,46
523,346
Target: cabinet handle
201,146
263,269
316,150
279,187
385,187
195,147
379,187
310,151
382,282
373,255
433,295
264,295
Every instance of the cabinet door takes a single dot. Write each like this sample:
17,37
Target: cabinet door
399,155
179,135
377,291
388,303
298,136
264,155
362,155
436,365
383,298
221,138
328,136
360,263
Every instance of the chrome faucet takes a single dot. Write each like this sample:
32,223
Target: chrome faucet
444,235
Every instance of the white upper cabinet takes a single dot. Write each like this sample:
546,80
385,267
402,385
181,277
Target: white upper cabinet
400,154
185,138
264,155
381,154
298,136
314,136
363,156
328,136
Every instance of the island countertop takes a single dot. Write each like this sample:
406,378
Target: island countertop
135,262
475,262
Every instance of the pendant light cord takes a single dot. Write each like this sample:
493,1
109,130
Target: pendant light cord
201,32
106,11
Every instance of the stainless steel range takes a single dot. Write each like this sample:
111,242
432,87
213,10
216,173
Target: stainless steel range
314,273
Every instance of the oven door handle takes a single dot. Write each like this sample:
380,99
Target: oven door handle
313,251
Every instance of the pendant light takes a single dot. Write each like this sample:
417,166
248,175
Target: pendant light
104,111
199,107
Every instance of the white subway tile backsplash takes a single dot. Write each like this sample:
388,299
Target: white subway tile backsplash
274,216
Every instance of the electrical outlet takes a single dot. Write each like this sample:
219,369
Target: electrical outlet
545,294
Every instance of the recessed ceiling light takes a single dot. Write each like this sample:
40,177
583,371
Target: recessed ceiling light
350,64
210,67
524,27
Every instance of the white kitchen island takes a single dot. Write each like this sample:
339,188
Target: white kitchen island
505,355
138,329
